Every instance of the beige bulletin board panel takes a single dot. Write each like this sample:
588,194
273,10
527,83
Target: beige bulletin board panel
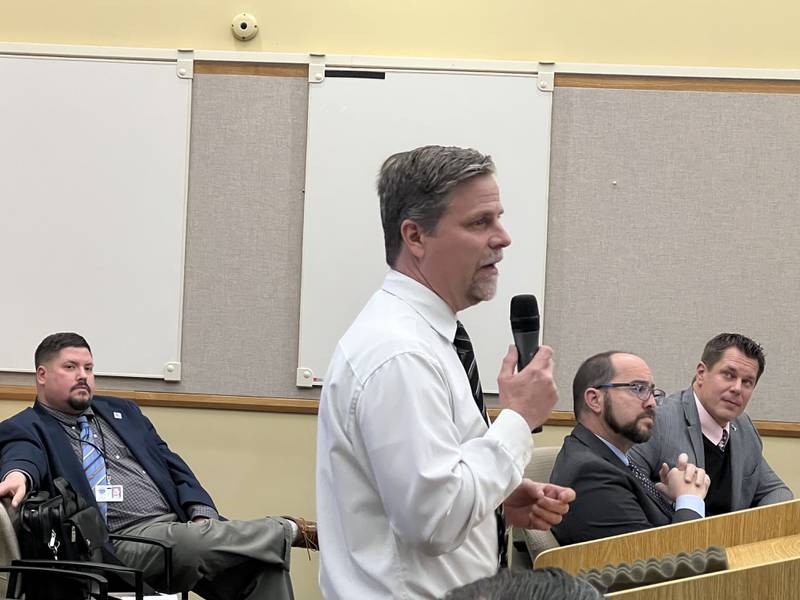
244,229
673,216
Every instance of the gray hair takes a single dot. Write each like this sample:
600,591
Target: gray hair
415,185
537,584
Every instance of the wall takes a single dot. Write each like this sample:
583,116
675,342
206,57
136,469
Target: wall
681,32
276,474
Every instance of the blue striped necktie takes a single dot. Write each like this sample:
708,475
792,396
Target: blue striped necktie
94,465
466,355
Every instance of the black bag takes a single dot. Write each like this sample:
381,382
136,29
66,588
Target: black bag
62,526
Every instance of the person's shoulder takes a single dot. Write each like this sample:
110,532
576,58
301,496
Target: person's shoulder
389,327
116,406
675,403
25,423
745,424
25,416
115,401
578,466
574,452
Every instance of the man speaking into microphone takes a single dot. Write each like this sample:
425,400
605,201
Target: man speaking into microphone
415,489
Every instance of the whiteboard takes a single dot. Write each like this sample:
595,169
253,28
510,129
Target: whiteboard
94,161
354,124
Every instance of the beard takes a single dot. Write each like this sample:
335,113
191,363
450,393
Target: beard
483,288
79,404
629,431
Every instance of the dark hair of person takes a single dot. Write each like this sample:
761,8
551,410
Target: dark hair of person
595,370
55,343
717,346
416,185
536,584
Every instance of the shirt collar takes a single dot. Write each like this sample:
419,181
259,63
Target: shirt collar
67,419
423,300
619,453
711,429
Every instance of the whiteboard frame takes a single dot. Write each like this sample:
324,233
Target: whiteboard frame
169,369
523,269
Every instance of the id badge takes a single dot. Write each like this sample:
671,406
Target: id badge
108,493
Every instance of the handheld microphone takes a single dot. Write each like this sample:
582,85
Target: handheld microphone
525,329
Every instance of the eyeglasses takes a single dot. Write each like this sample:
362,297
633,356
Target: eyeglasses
642,390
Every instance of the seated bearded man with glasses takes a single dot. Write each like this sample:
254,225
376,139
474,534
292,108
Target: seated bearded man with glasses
615,400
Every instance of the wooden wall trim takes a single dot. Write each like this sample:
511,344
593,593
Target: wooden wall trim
211,67
683,84
26,393
558,418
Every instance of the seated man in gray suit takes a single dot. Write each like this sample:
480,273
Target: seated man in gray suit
614,399
708,422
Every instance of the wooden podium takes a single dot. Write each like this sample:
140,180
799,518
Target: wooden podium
762,544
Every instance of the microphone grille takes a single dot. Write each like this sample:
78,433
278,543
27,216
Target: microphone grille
524,305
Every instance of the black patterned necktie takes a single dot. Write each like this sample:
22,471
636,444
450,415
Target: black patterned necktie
467,357
651,489
724,441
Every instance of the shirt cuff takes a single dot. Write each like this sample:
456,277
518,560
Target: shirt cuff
694,503
201,510
28,478
513,434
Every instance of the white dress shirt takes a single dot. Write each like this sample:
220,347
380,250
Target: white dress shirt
408,473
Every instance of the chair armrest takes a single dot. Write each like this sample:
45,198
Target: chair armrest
98,580
165,547
92,567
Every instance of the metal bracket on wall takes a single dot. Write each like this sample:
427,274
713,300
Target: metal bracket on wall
172,371
546,76
306,379
316,68
185,64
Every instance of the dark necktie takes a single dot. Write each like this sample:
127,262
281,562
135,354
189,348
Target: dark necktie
94,465
651,490
724,441
467,356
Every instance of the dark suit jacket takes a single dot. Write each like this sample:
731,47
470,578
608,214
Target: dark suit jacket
36,443
677,429
609,500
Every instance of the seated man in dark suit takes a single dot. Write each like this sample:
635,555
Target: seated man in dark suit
113,457
615,400
707,421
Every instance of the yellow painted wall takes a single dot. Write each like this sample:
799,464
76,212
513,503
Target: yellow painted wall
732,33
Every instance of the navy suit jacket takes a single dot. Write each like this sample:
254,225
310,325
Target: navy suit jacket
34,442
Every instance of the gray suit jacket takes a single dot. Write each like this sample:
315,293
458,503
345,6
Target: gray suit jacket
677,429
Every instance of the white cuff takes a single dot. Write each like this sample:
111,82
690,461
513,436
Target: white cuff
514,435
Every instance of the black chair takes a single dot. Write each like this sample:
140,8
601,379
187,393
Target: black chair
35,578
46,583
